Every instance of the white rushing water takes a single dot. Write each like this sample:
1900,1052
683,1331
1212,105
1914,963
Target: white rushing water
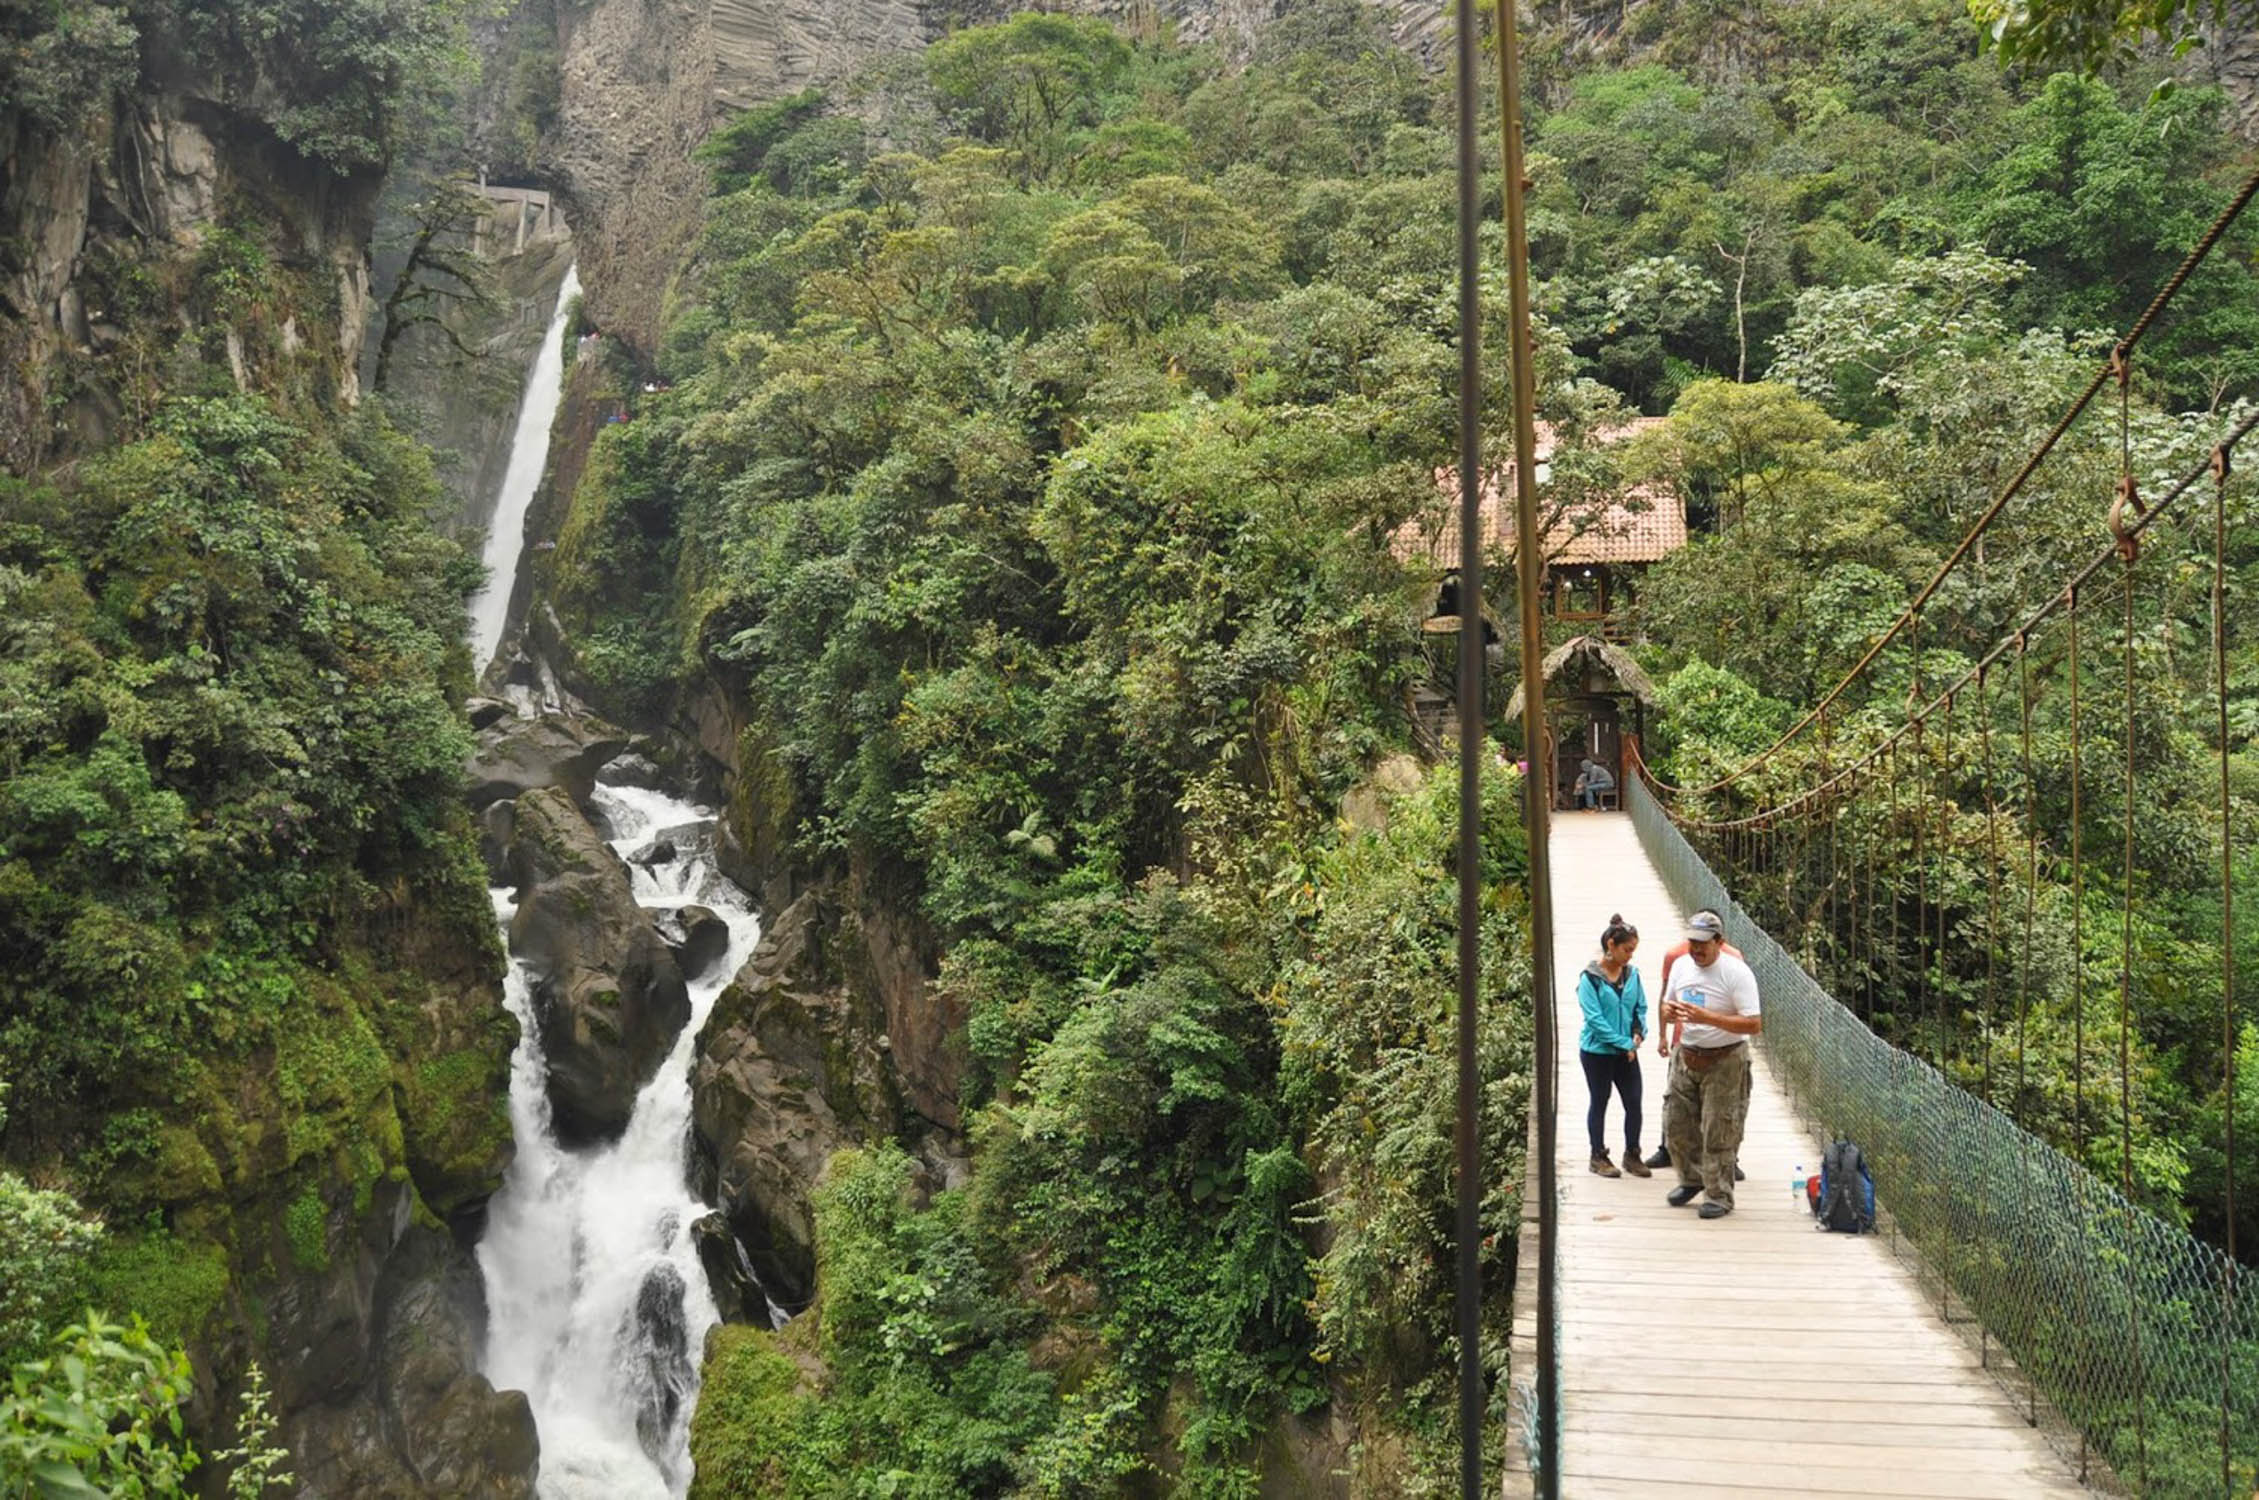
529,455
598,1307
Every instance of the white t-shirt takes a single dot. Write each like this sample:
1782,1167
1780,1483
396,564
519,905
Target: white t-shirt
1727,986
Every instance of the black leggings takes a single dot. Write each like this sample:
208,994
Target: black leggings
1611,1070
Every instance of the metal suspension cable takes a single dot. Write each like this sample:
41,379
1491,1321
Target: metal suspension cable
2078,902
2157,510
2024,965
2228,1038
1943,1048
2078,967
2120,352
1992,889
2125,942
1991,1020
1468,1307
2133,1288
1527,575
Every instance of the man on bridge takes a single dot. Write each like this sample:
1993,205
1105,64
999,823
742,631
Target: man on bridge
1706,1104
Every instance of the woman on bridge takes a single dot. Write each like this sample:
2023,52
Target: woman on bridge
1615,1022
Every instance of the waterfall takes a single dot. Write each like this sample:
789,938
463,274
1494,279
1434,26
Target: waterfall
598,1307
529,455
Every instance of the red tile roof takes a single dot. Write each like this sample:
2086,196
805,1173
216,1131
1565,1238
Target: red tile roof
1643,524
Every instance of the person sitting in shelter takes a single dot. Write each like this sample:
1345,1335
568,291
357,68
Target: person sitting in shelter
1593,778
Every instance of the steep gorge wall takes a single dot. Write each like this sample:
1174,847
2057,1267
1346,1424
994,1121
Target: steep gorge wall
295,1202
96,220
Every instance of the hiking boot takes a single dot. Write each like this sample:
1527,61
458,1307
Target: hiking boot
1603,1167
1680,1197
1714,1210
1661,1158
1739,1175
1635,1166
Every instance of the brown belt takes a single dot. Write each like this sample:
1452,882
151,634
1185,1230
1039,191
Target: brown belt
1702,1059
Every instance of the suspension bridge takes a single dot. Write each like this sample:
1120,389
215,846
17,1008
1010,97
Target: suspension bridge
1752,1355
2024,1326
2032,1318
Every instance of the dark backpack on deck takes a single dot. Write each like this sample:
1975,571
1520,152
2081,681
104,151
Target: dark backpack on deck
1847,1190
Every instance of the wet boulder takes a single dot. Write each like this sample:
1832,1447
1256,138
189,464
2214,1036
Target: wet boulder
462,1436
485,713
699,937
729,1272
608,996
517,755
497,831
659,1372
631,769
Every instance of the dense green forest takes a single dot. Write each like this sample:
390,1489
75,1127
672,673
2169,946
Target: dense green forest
1024,451
1052,419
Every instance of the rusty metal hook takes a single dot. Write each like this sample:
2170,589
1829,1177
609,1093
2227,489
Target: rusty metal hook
2129,542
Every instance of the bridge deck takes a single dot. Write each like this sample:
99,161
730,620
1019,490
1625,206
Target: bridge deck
1750,1355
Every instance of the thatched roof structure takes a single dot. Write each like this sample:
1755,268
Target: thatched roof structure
1583,653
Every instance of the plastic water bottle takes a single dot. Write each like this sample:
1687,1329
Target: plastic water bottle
1796,1185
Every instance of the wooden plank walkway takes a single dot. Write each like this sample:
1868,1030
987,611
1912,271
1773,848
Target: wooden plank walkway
1750,1355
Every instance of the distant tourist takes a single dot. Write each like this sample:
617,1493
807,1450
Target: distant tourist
1706,1107
1615,1019
1593,778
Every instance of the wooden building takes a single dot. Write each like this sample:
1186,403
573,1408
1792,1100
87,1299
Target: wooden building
1596,543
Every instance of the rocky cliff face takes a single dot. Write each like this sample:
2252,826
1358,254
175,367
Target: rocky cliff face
94,220
299,1203
829,1037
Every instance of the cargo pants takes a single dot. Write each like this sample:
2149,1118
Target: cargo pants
1704,1113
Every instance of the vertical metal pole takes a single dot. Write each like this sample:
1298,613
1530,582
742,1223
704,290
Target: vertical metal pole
1528,563
2228,1034
1469,1308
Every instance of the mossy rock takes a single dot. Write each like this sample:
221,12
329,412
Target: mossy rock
756,1414
306,1224
174,1281
454,1111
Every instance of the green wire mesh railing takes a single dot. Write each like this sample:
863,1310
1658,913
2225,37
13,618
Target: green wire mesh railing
2142,1338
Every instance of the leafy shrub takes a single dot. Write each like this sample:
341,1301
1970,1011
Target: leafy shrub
98,1416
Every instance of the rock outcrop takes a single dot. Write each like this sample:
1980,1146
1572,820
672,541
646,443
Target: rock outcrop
416,1419
608,996
518,754
145,177
791,1066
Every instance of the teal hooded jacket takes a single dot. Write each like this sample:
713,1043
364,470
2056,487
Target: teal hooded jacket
1615,1017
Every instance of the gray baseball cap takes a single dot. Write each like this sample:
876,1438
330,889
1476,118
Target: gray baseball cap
1704,926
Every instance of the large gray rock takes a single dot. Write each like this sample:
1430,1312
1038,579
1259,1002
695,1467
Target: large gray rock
699,937
519,755
395,1406
729,1273
608,995
791,1067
